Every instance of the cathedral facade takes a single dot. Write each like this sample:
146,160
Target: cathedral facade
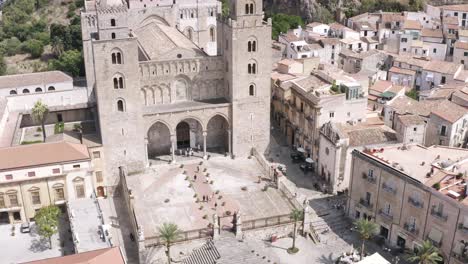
177,74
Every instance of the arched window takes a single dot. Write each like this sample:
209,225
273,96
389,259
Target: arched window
212,34
112,22
113,35
251,9
252,90
13,92
252,46
38,90
51,88
247,9
25,91
252,68
120,105
117,57
118,82
190,34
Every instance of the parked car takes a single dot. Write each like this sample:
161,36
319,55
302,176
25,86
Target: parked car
25,228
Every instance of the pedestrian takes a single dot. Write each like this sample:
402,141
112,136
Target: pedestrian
216,204
195,177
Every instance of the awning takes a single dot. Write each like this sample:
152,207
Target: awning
309,160
435,235
388,94
301,150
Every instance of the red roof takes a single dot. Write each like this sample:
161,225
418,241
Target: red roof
100,256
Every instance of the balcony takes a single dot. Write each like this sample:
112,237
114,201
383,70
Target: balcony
439,215
389,189
387,215
411,228
368,178
415,202
366,203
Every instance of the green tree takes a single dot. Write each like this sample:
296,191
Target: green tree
47,219
11,46
3,66
225,8
283,22
412,94
296,215
426,254
366,230
39,114
169,233
57,46
70,61
33,47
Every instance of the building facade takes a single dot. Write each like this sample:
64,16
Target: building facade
155,98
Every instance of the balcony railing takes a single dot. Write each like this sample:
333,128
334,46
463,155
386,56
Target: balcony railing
386,214
415,203
389,188
365,203
411,228
368,178
439,215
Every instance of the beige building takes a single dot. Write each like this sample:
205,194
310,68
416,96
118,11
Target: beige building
414,194
33,176
303,103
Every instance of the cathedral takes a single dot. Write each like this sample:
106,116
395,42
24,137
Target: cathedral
169,75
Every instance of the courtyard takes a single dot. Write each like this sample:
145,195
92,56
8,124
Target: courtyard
222,186
23,247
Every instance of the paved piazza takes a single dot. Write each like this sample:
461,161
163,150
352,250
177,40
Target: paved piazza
165,194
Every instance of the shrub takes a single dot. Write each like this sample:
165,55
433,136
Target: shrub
33,47
436,186
31,142
59,127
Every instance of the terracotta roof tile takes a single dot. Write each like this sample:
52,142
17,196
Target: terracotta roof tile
412,24
100,256
41,154
29,79
449,111
432,33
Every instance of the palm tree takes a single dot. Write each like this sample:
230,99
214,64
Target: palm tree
57,46
366,230
426,254
39,114
169,232
296,215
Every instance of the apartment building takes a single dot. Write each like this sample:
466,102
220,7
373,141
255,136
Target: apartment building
33,176
413,193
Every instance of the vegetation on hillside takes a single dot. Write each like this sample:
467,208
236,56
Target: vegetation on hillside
283,22
386,6
34,27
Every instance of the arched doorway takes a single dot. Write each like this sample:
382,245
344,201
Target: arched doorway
100,191
217,139
189,134
183,135
159,140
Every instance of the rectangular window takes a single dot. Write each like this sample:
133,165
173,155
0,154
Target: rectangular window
442,81
371,173
59,194
415,129
465,53
80,191
434,50
9,177
455,14
332,114
96,154
36,198
99,176
404,40
443,131
76,166
56,171
31,173
13,199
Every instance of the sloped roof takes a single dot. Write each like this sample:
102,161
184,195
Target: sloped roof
412,24
41,154
409,120
432,33
30,79
449,111
456,7
442,67
461,45
100,256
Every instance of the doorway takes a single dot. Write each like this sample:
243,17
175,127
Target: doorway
401,242
4,218
183,135
100,191
384,232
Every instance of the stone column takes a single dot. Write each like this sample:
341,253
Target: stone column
146,152
173,144
229,142
239,234
215,227
204,145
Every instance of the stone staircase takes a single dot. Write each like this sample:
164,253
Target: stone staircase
228,250
327,218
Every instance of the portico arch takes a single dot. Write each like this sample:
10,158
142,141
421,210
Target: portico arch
189,133
218,134
159,140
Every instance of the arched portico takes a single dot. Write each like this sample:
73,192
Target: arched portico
218,135
159,140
